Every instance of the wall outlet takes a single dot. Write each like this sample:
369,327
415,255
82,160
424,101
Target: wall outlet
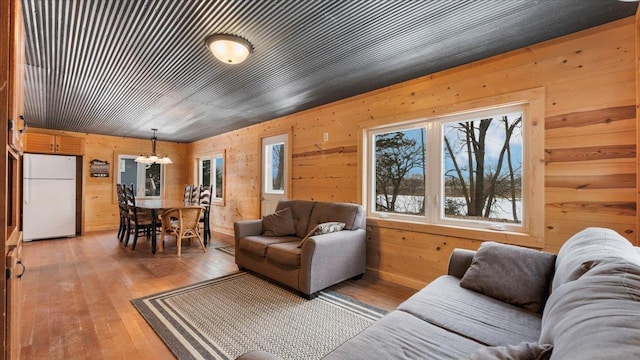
326,136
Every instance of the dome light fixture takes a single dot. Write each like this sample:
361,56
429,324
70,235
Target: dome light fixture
230,49
153,158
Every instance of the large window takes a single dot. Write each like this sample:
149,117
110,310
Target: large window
469,170
211,172
147,179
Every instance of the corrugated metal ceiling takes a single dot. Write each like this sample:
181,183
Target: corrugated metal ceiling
122,67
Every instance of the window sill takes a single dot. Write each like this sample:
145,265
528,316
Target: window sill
217,202
504,237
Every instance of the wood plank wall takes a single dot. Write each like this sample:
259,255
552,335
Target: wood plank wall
590,142
100,208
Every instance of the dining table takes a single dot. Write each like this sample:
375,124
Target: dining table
156,205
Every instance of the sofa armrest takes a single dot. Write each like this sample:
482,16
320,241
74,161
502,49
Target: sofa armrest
460,261
331,258
245,228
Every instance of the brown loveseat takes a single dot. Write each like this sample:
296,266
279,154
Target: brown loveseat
320,261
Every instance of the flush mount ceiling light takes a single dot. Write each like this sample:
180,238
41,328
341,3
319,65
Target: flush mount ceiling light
229,49
153,158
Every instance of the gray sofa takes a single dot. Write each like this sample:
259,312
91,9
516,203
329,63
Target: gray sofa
584,304
321,260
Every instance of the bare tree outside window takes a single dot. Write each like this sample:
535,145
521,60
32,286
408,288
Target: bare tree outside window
400,171
278,166
483,169
206,172
219,178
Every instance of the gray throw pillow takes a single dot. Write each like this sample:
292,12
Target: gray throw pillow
513,274
522,351
280,223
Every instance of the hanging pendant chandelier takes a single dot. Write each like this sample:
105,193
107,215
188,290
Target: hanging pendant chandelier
153,158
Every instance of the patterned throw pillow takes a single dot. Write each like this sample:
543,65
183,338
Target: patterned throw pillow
324,228
328,227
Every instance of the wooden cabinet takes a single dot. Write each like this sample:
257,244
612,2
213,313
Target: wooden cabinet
53,144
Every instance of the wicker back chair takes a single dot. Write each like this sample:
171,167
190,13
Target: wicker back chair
183,223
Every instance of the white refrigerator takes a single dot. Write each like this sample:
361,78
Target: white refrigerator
48,196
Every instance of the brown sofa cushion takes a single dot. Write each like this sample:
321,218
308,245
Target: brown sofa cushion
301,211
257,245
350,214
285,253
513,274
280,223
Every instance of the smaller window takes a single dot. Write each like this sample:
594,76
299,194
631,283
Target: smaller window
211,173
400,171
146,178
274,163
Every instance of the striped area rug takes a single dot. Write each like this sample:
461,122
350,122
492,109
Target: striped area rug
224,318
229,250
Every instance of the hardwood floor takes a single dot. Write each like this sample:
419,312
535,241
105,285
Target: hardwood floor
77,294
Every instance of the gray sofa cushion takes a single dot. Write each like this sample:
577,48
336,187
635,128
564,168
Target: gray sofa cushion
257,245
588,248
513,274
399,335
522,351
596,316
352,215
280,223
300,211
287,253
471,314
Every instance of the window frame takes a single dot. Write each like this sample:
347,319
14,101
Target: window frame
213,157
120,157
280,140
531,231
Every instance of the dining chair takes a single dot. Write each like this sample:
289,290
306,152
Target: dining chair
183,223
205,202
186,196
195,195
123,210
137,221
